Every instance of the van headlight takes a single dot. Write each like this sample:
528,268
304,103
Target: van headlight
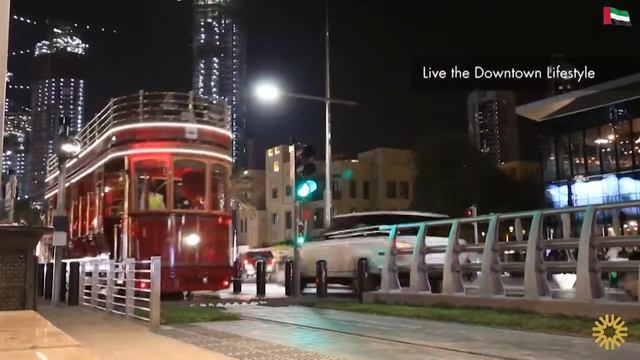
192,239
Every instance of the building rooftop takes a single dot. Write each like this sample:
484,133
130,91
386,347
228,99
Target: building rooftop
607,93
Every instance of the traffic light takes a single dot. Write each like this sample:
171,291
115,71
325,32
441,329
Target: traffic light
305,185
471,211
300,233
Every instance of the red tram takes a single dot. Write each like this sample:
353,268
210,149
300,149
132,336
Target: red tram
152,179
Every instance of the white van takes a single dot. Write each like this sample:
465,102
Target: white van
357,235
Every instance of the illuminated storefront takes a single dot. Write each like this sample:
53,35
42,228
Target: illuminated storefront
590,143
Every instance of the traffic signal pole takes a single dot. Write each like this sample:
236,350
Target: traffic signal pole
294,216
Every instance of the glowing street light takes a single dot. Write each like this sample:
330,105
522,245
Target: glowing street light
268,92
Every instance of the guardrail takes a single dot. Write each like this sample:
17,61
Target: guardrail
587,265
129,288
149,106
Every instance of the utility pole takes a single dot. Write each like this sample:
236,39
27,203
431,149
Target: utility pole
67,148
327,172
294,217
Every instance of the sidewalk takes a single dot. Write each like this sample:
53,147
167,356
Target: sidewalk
25,335
114,338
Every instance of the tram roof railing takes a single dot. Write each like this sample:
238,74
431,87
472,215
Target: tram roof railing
150,106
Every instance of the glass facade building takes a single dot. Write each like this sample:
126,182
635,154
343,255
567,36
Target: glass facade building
591,154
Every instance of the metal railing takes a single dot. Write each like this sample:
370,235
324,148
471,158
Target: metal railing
588,265
149,106
129,288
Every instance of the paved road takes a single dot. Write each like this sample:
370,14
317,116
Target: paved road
358,336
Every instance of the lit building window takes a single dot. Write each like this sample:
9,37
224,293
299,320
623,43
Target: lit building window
276,166
270,152
277,150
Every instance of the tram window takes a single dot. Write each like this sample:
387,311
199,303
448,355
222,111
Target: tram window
189,185
218,188
151,185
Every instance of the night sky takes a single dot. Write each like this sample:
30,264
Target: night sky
374,45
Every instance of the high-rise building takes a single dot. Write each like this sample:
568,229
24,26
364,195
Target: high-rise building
557,86
57,90
219,63
492,124
17,128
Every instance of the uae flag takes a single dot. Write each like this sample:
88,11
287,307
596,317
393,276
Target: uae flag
613,16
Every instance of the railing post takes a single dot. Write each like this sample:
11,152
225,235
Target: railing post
389,274
518,228
130,287
95,269
110,270
490,281
156,286
141,104
81,283
74,284
588,284
451,277
419,277
535,281
615,222
566,225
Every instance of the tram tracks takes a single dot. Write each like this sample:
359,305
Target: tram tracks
388,340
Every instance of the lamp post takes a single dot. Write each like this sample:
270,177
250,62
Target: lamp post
68,147
271,93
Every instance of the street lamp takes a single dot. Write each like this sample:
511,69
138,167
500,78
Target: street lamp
270,92
68,147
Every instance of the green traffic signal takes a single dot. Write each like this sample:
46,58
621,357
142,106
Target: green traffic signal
300,240
306,188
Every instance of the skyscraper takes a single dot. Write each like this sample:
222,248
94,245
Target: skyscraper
492,124
219,63
17,128
58,89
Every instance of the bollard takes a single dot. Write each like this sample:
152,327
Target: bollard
63,283
261,275
74,284
321,278
40,280
237,277
288,277
48,281
363,274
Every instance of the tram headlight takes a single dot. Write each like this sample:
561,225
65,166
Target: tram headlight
192,239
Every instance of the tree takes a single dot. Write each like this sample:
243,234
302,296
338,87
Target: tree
452,175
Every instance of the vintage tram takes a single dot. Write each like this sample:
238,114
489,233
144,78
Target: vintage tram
152,179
